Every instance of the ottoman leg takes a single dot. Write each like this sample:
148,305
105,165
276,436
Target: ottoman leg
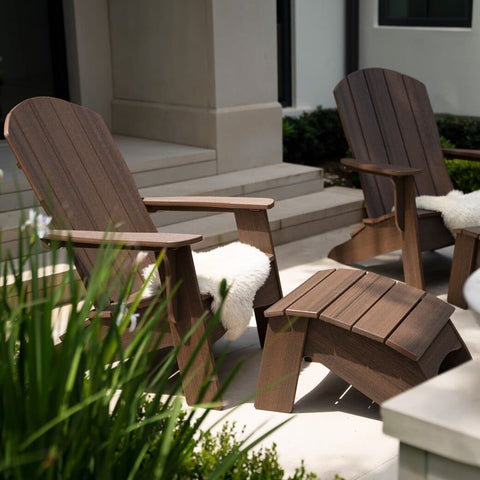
463,265
280,366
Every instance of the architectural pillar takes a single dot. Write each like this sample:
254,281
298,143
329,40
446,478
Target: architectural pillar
201,73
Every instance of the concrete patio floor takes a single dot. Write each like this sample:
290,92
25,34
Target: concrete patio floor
334,428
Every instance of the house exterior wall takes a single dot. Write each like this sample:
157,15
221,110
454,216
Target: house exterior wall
88,47
318,51
447,60
194,72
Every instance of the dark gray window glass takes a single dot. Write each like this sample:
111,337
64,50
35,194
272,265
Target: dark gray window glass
433,13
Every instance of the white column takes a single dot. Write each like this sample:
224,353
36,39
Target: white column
198,72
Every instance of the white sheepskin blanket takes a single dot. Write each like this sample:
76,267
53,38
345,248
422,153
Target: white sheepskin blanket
458,210
245,269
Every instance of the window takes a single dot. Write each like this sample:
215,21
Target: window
432,13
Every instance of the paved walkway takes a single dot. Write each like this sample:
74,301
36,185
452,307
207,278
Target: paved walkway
334,428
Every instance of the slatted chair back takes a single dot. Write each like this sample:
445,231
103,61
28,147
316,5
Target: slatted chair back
388,119
78,174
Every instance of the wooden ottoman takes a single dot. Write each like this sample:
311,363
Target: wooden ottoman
380,335
466,259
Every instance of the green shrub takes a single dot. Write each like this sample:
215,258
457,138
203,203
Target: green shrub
314,137
464,132
212,449
89,408
465,174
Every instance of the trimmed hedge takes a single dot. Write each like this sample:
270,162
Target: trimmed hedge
464,132
465,175
316,138
313,137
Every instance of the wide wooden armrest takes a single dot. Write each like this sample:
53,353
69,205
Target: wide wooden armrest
380,169
127,240
462,154
468,231
208,204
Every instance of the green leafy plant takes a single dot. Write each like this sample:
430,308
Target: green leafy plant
314,137
89,408
213,448
463,132
465,174
459,130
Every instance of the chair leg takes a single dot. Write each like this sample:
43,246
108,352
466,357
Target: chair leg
201,369
407,223
280,366
253,229
412,261
262,324
187,308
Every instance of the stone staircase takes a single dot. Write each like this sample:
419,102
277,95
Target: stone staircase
303,207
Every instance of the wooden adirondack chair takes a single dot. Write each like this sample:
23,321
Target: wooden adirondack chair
81,180
390,127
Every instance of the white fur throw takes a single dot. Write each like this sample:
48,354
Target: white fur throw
458,210
245,269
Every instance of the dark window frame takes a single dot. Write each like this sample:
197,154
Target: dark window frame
385,20
284,52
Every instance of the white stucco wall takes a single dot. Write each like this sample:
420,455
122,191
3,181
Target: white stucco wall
200,73
318,51
447,60
89,54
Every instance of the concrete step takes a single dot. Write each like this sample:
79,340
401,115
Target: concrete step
278,181
151,163
290,219
158,163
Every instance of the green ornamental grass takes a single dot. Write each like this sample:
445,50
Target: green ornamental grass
88,408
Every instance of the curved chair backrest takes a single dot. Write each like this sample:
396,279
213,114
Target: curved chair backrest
77,172
388,119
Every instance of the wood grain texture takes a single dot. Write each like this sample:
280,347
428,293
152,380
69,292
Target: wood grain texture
388,312
324,293
359,299
281,306
81,179
380,335
381,169
390,127
463,265
461,153
420,327
134,240
280,365
211,204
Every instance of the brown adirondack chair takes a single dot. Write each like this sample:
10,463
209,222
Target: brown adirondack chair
390,127
81,180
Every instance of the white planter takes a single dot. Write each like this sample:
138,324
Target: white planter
471,292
